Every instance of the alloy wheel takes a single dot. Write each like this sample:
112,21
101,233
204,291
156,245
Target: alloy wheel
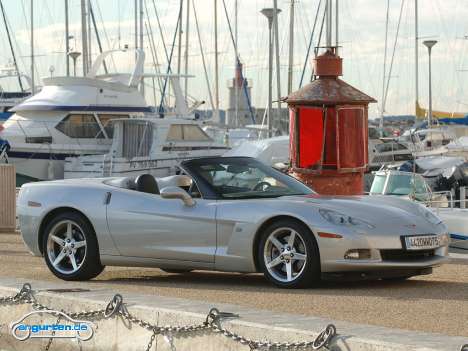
285,254
66,247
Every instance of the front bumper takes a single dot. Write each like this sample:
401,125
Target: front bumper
385,262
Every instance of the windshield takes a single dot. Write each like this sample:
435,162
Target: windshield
240,178
399,184
378,184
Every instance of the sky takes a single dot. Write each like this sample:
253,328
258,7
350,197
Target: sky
362,28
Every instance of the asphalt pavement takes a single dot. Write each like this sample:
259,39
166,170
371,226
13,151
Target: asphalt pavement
436,303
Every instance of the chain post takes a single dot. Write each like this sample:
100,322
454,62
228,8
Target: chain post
116,307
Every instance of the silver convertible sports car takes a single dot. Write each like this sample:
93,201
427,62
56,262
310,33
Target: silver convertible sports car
227,214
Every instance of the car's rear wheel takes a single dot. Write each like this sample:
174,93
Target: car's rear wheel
70,248
289,255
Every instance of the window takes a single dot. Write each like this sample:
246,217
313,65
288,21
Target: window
186,132
107,124
80,126
236,178
390,146
137,138
378,184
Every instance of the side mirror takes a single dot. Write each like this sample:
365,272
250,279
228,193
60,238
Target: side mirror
174,192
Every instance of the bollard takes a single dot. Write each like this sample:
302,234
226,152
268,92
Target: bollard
7,198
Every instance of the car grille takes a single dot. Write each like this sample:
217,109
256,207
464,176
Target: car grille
403,255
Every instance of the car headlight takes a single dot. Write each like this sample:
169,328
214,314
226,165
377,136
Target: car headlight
429,215
338,218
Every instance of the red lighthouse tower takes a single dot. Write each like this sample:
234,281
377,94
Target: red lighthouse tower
328,130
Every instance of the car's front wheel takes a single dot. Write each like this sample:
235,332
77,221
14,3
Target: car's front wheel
70,248
289,255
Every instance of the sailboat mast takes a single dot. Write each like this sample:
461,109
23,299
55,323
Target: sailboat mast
98,38
135,25
142,86
336,26
11,46
179,46
291,46
236,64
33,90
187,37
381,124
277,58
67,40
84,37
416,56
88,23
328,16
216,107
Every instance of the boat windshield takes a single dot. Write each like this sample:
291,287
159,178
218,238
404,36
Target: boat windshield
398,184
242,178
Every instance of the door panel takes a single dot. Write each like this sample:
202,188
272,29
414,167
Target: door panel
146,225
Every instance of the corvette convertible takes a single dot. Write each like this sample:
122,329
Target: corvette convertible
227,214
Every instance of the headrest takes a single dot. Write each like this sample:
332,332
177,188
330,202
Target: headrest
147,184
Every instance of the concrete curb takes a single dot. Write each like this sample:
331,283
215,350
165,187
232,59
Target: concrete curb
261,325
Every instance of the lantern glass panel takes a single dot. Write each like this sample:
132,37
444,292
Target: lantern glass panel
329,153
310,135
352,133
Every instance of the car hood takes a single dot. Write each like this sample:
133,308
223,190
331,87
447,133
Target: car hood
376,210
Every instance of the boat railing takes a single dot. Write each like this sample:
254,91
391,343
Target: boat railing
450,201
107,165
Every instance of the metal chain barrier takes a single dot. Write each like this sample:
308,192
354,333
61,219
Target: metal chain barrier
116,307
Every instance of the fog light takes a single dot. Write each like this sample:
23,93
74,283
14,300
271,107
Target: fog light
357,254
444,239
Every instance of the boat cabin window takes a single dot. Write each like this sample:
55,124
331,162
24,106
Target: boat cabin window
137,138
80,126
187,132
390,146
105,120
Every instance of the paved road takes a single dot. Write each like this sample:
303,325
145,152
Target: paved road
436,303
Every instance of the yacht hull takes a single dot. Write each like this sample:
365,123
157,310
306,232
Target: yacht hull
456,220
99,166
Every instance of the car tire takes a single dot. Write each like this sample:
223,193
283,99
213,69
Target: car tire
176,271
70,237
276,252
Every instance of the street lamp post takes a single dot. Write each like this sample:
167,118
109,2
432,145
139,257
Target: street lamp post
269,13
429,44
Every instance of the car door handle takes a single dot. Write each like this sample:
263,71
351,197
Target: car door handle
107,198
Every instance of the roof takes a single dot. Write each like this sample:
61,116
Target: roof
328,91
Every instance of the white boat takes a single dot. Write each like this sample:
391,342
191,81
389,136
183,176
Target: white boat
454,213
271,151
442,140
234,137
146,145
70,117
